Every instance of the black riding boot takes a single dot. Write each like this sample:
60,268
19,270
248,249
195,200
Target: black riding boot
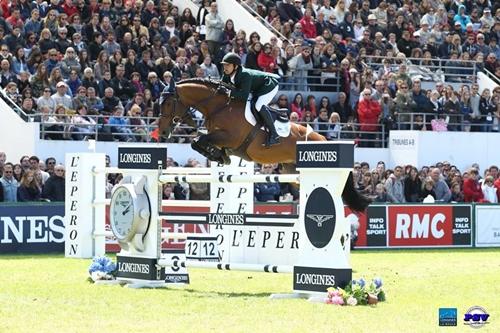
273,138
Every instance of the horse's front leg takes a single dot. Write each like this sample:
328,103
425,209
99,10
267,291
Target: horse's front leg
208,144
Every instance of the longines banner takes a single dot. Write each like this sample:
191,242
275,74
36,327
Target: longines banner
36,228
141,157
317,155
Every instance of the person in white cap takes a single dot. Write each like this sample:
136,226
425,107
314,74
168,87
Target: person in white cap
61,97
424,32
487,18
372,26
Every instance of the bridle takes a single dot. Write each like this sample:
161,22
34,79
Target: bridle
188,114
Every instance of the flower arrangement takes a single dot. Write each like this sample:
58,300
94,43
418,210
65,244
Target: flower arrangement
358,292
102,268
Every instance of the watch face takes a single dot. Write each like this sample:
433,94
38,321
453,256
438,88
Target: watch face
122,212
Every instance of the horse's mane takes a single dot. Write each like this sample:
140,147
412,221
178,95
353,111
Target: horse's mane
205,81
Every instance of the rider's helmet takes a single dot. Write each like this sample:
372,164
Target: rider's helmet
232,58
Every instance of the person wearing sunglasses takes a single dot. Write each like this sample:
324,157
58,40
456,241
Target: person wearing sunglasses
9,184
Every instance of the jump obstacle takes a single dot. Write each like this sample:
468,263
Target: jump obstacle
323,259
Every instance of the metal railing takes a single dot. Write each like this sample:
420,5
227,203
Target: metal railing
440,70
465,123
264,21
66,129
14,106
327,83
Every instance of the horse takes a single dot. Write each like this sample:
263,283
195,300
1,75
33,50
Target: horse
230,134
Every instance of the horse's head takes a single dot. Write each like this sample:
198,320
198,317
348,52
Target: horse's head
173,112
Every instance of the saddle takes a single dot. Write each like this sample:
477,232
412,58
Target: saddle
281,115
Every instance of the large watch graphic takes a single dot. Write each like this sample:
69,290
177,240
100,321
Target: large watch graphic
130,213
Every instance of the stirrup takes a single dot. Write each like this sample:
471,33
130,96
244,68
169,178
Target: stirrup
271,141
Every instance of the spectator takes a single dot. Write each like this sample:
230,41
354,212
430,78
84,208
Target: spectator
84,126
307,24
254,51
214,29
209,68
40,174
395,187
265,192
381,194
368,115
300,64
120,126
413,186
334,127
29,188
320,124
9,183
265,60
428,189
54,188
472,188
489,190
456,192
61,97
297,105
441,189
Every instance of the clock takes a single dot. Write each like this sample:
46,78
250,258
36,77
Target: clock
130,213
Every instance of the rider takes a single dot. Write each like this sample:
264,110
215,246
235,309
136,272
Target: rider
262,86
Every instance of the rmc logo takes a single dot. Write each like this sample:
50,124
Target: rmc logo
420,225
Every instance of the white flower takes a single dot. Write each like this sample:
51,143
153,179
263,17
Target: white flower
98,275
351,301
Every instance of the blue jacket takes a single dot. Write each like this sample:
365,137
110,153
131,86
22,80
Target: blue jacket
117,121
267,191
9,189
462,19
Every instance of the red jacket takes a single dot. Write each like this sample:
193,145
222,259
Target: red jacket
472,191
265,60
497,185
368,113
308,28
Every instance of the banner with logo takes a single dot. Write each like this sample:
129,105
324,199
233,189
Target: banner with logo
32,228
487,229
372,231
414,226
429,225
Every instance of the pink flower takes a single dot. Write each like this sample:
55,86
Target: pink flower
337,300
333,293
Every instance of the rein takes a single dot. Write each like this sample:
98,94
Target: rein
188,115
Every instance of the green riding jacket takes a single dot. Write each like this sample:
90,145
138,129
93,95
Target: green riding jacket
248,81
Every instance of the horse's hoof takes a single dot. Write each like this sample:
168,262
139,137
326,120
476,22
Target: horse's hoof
225,159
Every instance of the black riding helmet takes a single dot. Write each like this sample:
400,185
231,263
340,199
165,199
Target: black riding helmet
232,58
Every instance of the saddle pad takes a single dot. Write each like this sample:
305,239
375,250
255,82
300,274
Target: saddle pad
283,129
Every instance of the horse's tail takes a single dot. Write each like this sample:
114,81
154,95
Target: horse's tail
352,198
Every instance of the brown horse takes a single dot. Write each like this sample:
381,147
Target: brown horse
230,134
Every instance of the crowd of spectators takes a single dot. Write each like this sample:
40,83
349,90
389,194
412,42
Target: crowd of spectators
31,180
441,182
114,58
